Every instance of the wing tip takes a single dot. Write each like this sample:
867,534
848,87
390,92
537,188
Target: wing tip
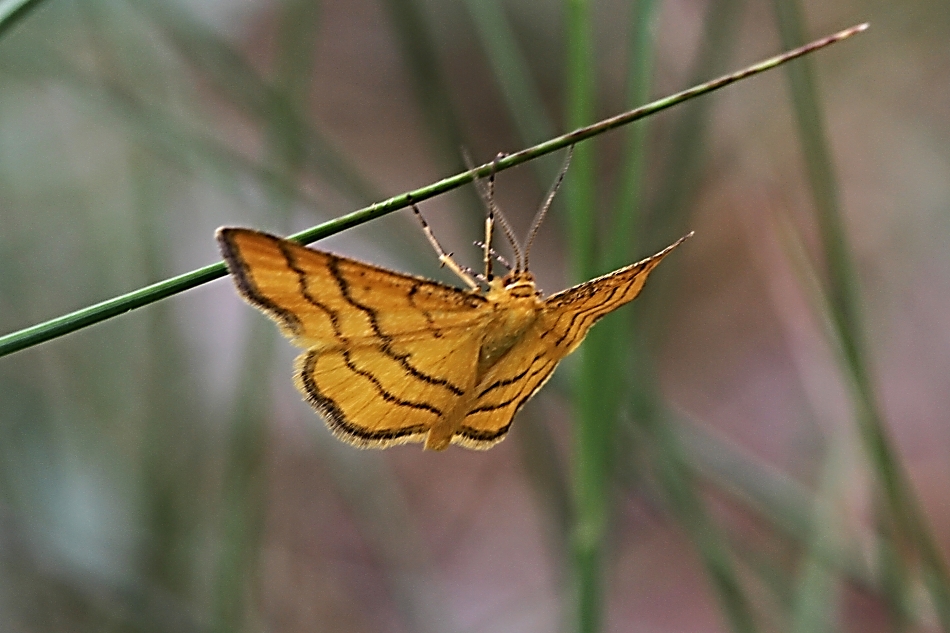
240,270
666,251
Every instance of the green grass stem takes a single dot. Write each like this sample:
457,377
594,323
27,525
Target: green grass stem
686,153
223,68
99,312
518,88
674,472
244,484
12,11
899,498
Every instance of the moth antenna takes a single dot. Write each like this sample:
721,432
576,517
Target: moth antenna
543,211
445,259
487,193
502,220
498,258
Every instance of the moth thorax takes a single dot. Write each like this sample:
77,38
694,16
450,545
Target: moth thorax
520,284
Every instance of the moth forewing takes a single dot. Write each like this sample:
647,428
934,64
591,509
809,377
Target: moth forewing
571,312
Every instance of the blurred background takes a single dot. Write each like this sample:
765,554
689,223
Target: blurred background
758,443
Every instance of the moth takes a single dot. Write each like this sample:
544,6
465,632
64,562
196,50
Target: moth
391,358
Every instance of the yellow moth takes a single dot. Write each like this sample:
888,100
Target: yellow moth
392,358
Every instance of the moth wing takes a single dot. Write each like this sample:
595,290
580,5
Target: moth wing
387,354
506,387
563,323
570,313
323,300
378,394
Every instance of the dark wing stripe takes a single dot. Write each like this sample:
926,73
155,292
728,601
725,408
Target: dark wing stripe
588,289
478,435
334,415
305,293
412,301
584,313
248,289
508,381
501,405
383,393
386,339
483,436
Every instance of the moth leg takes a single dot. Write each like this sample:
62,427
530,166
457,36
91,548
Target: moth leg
489,228
444,258
498,258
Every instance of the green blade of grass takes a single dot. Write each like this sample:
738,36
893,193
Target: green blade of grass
161,131
99,312
244,484
510,69
898,494
628,209
12,11
579,192
241,85
421,57
592,428
675,475
781,501
678,481
686,153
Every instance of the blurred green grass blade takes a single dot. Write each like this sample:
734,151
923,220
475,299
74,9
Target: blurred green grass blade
162,132
600,381
173,443
579,183
628,209
843,292
681,492
242,86
12,11
592,424
816,597
550,481
420,53
244,489
244,482
891,580
286,132
899,496
686,153
511,71
892,576
85,317
599,384
674,473
818,588
779,500
667,450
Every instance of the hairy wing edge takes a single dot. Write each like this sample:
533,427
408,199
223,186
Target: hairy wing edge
337,422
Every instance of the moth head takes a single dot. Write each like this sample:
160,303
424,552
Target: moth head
519,284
